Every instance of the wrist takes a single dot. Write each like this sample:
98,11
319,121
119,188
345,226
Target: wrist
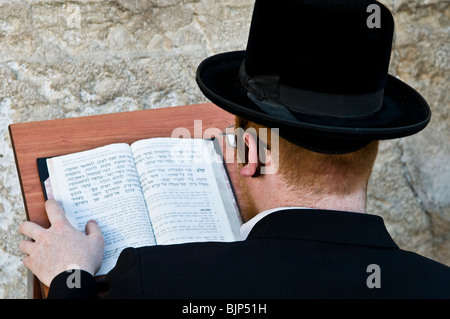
73,283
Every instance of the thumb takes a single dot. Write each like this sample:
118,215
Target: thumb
92,229
97,246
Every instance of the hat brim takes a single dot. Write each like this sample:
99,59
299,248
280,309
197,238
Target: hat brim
404,111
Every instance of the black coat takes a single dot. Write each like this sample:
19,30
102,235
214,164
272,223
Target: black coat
288,254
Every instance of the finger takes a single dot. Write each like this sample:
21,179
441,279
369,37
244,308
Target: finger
30,229
26,246
55,212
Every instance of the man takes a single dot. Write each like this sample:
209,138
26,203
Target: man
317,70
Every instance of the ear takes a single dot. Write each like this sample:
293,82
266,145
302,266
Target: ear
251,168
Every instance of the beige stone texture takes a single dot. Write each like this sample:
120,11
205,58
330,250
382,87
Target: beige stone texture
63,59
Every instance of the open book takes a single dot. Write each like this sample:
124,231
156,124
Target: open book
155,192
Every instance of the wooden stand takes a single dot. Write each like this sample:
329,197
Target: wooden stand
63,136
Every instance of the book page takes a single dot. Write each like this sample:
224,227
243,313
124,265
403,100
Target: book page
103,184
183,197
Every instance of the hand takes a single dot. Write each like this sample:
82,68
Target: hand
54,249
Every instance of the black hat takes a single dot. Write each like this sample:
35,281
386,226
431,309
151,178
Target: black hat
318,71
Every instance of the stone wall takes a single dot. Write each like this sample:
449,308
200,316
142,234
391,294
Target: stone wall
65,59
410,186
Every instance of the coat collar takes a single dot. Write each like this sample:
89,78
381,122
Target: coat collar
325,226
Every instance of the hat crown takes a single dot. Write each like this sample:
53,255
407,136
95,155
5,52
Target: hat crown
318,71
324,46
